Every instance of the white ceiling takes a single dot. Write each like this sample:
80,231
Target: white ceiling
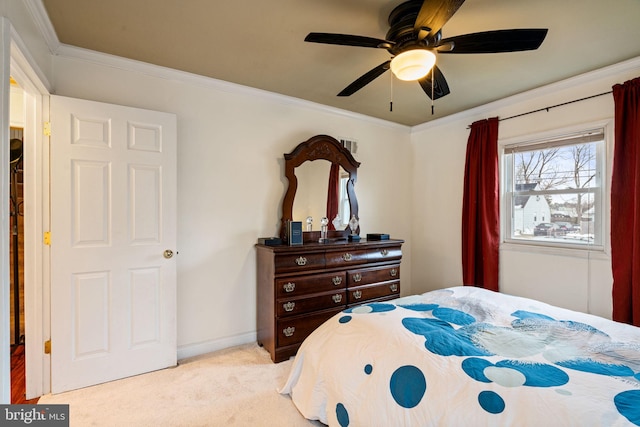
260,44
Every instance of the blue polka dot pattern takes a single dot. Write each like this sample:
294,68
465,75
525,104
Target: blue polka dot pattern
474,367
558,346
587,365
408,386
344,319
456,317
342,415
491,402
420,307
441,338
537,374
522,314
627,404
375,307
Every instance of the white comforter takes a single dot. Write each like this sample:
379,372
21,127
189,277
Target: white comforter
465,356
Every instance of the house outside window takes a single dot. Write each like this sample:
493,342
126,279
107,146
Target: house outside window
553,190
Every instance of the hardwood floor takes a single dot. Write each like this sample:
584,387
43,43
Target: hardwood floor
18,385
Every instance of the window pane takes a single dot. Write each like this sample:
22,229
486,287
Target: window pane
556,168
553,191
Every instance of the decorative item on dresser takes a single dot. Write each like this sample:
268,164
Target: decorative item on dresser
300,287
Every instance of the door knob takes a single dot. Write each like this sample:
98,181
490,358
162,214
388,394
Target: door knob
168,253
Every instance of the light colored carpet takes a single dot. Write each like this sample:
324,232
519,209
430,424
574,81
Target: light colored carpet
231,387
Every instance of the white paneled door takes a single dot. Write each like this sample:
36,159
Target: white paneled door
113,238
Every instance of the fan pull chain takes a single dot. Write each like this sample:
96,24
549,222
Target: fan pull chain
432,91
391,92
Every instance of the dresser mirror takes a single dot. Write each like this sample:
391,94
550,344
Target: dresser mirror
312,193
309,183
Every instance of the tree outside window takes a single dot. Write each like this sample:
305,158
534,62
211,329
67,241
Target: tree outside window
553,191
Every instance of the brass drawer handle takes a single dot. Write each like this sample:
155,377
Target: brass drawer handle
384,252
357,294
289,331
347,256
357,277
393,287
301,261
289,287
393,272
337,298
289,306
337,280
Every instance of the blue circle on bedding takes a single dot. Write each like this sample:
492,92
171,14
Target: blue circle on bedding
368,369
408,386
627,404
491,402
342,415
344,319
451,315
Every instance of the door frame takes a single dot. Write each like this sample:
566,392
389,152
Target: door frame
36,215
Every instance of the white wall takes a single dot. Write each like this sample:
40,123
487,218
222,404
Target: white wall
231,142
568,278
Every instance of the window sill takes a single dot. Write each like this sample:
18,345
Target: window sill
586,251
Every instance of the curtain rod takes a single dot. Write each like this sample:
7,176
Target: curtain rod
554,106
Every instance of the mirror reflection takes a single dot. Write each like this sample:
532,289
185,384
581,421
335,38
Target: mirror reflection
313,192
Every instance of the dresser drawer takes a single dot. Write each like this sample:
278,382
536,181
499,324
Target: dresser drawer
385,254
361,294
285,263
291,287
345,258
292,330
366,276
293,306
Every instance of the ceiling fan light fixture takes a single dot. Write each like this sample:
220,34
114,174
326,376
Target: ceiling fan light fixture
413,64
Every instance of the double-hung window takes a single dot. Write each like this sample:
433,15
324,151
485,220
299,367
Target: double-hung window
553,190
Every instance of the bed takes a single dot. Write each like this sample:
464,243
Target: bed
465,356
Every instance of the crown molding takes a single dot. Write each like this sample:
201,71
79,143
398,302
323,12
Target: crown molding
572,82
157,71
41,19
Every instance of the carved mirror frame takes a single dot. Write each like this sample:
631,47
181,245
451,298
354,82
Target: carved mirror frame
319,147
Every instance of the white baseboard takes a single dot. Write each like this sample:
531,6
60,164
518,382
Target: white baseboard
191,350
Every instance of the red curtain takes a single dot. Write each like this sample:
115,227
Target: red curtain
333,194
625,204
480,209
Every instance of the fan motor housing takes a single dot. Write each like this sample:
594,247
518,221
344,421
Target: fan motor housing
402,33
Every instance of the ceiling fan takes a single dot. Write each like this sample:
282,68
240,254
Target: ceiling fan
414,38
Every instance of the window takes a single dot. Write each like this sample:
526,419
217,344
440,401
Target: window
553,190
344,209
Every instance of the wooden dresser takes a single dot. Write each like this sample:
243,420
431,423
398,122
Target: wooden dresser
300,287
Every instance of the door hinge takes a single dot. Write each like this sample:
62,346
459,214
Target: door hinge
47,347
47,238
47,128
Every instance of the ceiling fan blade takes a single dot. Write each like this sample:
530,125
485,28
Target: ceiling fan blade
497,41
433,15
440,86
365,79
348,40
